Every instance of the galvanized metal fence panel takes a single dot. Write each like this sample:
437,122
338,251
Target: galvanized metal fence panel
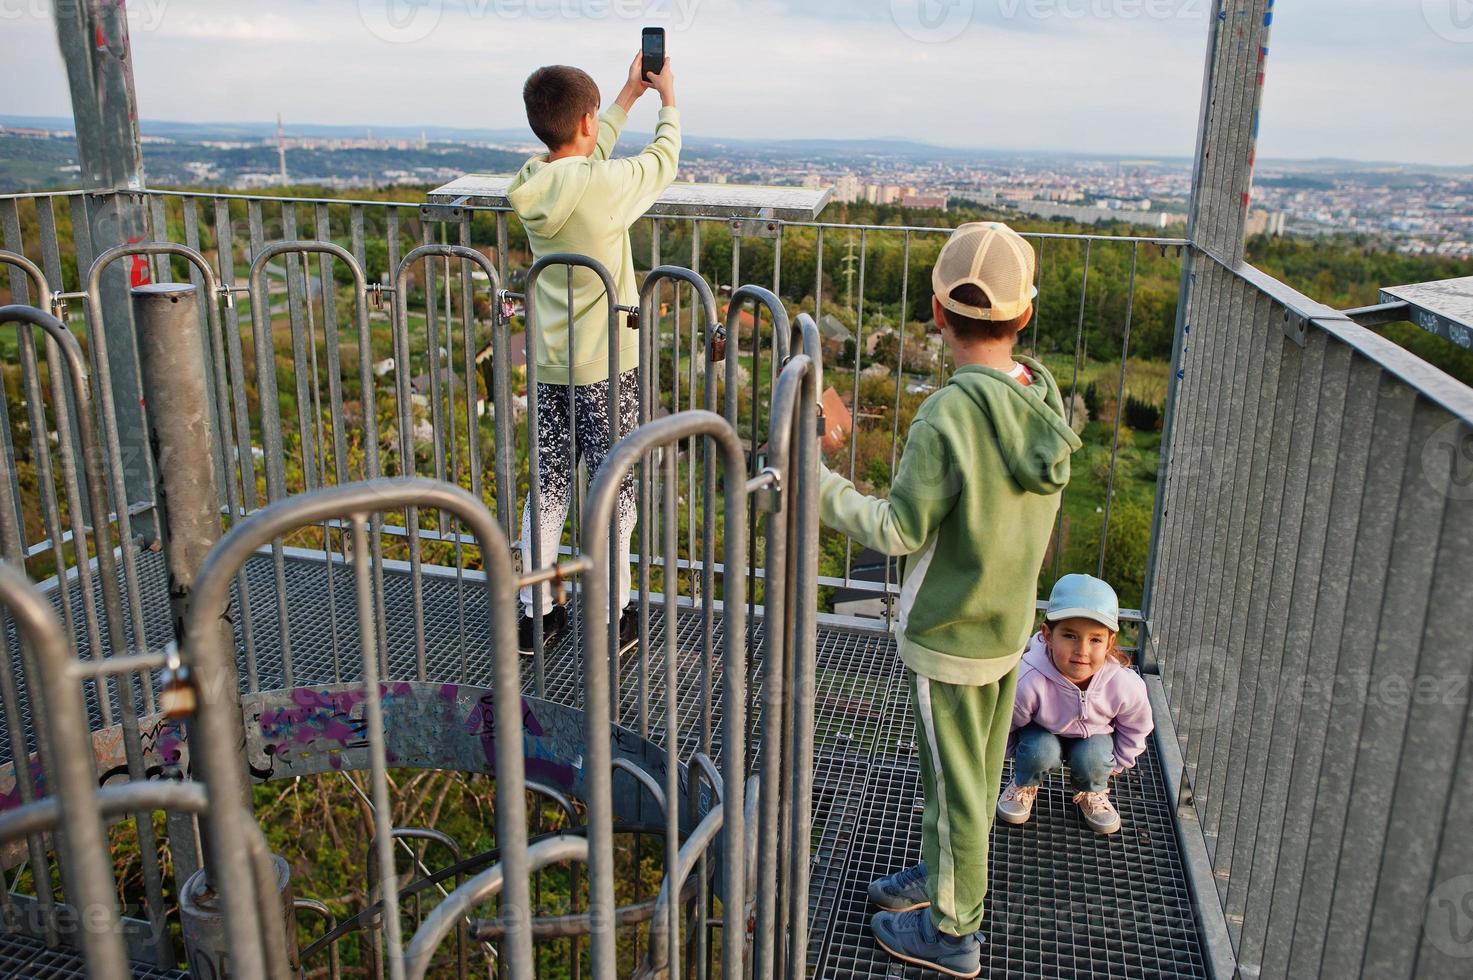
1301,614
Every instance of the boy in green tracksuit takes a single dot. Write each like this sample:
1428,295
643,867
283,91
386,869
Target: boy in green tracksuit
972,507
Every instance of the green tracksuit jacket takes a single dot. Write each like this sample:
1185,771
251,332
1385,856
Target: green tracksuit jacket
586,205
971,508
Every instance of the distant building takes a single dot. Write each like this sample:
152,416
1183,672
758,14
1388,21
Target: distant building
848,189
935,202
1261,222
1094,215
835,334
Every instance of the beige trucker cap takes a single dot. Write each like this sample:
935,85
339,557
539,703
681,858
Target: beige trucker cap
992,257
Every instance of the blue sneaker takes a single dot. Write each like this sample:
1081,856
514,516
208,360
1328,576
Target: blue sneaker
902,891
911,937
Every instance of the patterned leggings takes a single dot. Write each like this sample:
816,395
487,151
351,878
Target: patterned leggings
556,467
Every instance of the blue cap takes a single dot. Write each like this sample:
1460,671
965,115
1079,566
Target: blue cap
1084,597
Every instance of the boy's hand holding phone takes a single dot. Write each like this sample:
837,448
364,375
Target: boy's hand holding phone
638,83
664,83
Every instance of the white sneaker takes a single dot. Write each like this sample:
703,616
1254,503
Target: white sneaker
1098,812
1015,805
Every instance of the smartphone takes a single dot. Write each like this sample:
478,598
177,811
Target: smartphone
652,48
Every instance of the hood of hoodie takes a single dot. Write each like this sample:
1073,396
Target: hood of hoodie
544,195
1032,433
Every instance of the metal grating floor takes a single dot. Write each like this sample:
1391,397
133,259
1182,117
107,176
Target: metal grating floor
1063,902
21,956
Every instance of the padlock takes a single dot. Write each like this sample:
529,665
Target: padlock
718,344
177,699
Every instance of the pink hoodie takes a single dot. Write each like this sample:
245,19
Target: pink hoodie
1115,703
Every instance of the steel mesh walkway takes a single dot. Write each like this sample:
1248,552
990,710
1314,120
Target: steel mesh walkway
1063,903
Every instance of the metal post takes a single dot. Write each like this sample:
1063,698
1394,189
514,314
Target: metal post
171,354
93,35
202,917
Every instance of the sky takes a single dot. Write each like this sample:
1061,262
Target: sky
1359,79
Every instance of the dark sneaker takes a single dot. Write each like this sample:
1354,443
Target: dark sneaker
554,625
911,937
902,891
628,629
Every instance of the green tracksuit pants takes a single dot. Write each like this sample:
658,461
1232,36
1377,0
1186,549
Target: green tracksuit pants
961,735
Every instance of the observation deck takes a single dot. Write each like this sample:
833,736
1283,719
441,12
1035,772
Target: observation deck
277,447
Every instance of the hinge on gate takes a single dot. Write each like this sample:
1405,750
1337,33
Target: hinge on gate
453,211
227,292
755,227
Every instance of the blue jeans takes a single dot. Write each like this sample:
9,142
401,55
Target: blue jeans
1091,760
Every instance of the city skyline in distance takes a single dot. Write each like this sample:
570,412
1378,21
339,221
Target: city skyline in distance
211,130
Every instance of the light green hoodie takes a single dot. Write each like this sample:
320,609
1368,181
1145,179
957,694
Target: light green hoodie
586,205
972,506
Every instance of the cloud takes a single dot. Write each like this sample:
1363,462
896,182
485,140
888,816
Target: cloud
1356,78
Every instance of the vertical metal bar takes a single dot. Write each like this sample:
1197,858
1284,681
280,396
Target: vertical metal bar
407,450
1069,403
670,519
374,714
305,377
699,585
67,439
262,340
94,41
804,655
51,510
854,430
240,455
1119,411
85,873
900,327
1037,303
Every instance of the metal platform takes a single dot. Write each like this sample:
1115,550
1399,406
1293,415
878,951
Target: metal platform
22,956
1444,308
686,200
1064,902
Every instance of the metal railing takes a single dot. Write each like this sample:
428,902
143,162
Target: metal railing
212,596
449,322
1309,605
